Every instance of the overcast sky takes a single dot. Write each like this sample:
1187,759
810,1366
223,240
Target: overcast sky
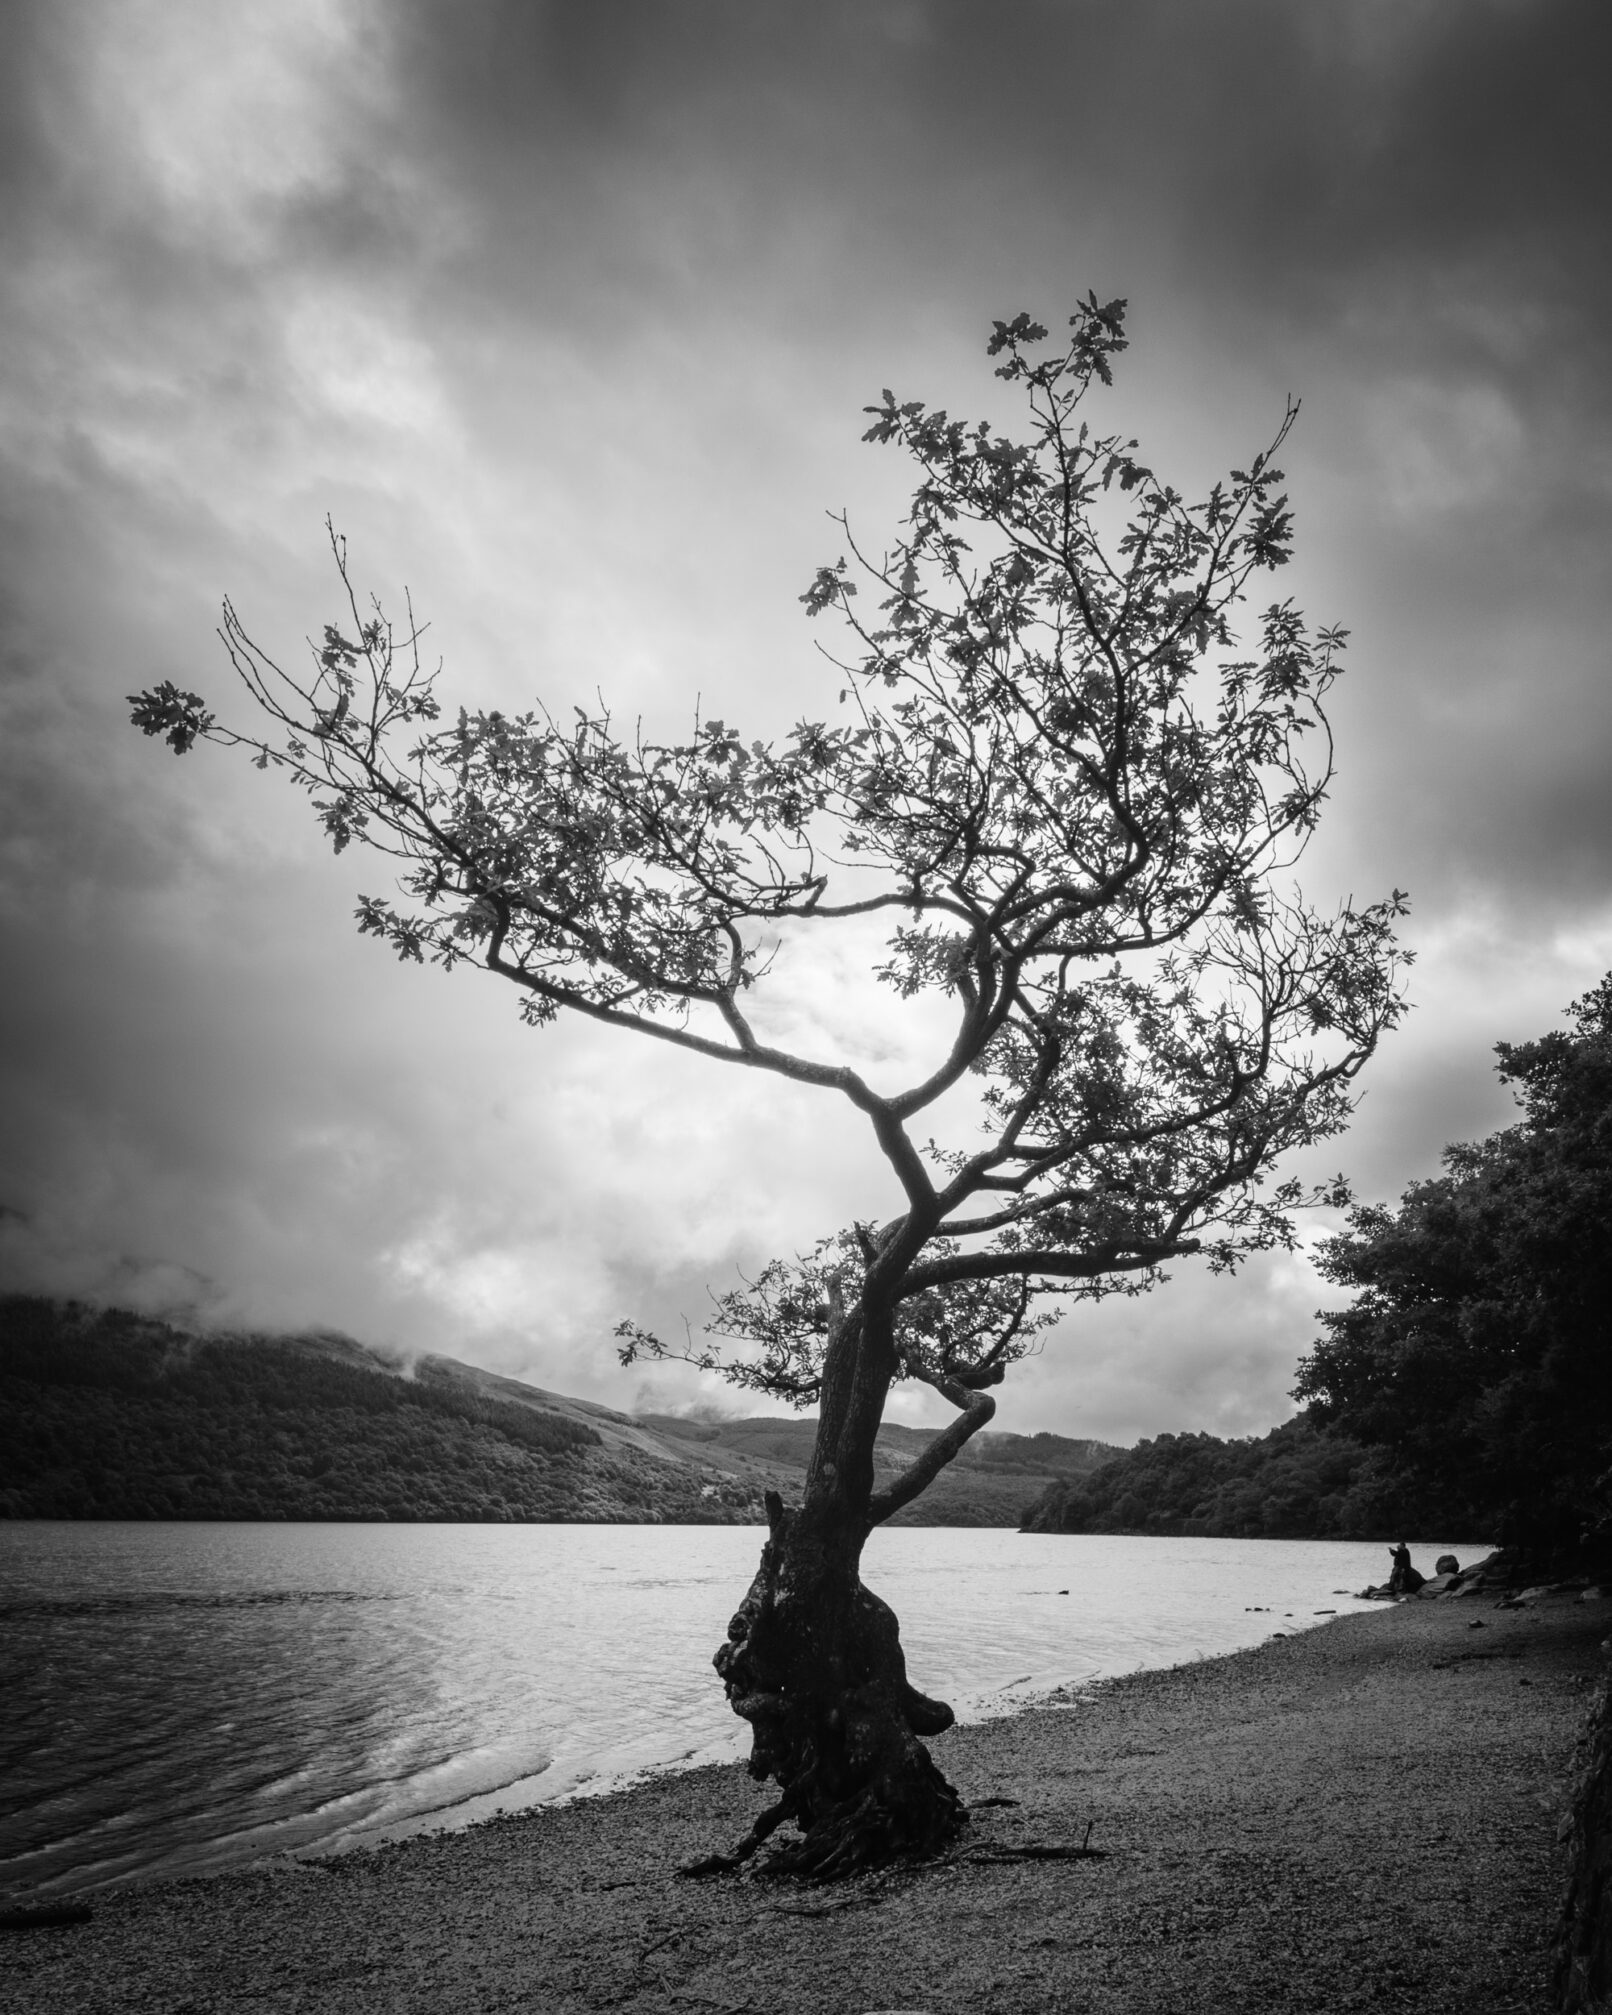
567,315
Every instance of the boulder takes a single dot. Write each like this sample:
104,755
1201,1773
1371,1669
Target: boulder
1496,1566
1440,1584
1446,1564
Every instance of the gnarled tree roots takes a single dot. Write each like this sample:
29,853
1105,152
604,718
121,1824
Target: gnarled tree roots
814,1663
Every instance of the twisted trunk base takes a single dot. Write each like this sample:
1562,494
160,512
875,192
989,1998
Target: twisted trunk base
814,1663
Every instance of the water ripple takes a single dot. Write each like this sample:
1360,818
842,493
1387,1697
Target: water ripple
186,1697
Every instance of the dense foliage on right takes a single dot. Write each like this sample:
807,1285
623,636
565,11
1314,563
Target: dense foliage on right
1297,1482
1476,1351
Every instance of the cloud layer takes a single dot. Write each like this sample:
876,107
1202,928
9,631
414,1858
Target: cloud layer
567,315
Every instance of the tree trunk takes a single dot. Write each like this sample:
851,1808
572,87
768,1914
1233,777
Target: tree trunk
814,1663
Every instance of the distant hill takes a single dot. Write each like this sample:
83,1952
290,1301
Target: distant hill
992,1482
107,1414
1299,1481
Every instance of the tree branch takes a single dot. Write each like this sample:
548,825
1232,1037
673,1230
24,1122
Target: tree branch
976,1410
1048,1262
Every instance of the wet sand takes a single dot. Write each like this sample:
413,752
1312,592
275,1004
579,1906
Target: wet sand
1362,1816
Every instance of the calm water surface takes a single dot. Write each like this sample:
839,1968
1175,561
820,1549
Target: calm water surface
183,1697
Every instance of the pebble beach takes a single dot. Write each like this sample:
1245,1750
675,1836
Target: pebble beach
1364,1815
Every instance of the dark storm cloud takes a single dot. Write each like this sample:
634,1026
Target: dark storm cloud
1397,210
568,313
1265,146
1399,207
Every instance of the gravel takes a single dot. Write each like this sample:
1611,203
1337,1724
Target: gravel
1361,1816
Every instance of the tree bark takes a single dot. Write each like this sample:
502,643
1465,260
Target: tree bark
813,1659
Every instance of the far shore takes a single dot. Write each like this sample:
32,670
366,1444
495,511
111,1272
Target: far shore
1361,1816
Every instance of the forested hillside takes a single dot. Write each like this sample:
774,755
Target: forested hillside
106,1414
1297,1482
112,1415
992,1480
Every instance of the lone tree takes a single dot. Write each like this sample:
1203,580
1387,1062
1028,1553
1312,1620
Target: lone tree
1075,792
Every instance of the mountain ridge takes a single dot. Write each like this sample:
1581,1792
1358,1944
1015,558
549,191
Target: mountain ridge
105,1413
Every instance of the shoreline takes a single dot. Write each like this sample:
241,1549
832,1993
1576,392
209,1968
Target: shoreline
1363,1814
526,1727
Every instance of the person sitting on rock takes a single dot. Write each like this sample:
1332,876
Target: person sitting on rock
1404,1580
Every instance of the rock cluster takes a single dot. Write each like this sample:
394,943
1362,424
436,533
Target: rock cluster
1446,1579
1490,1575
1498,1575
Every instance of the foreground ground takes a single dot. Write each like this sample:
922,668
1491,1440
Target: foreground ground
1364,1816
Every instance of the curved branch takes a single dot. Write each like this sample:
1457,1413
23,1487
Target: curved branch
1049,1262
891,1135
976,1409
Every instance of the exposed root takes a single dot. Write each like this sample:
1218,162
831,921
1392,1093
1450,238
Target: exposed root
724,1864
910,1813
814,1664
713,1864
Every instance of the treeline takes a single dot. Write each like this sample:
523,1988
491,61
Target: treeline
1300,1481
1477,1352
105,1414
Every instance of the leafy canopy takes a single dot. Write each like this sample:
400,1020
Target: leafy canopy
1058,767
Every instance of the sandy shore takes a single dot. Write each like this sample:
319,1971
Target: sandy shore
1361,1816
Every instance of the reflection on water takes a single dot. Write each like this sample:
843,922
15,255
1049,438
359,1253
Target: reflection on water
183,1697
